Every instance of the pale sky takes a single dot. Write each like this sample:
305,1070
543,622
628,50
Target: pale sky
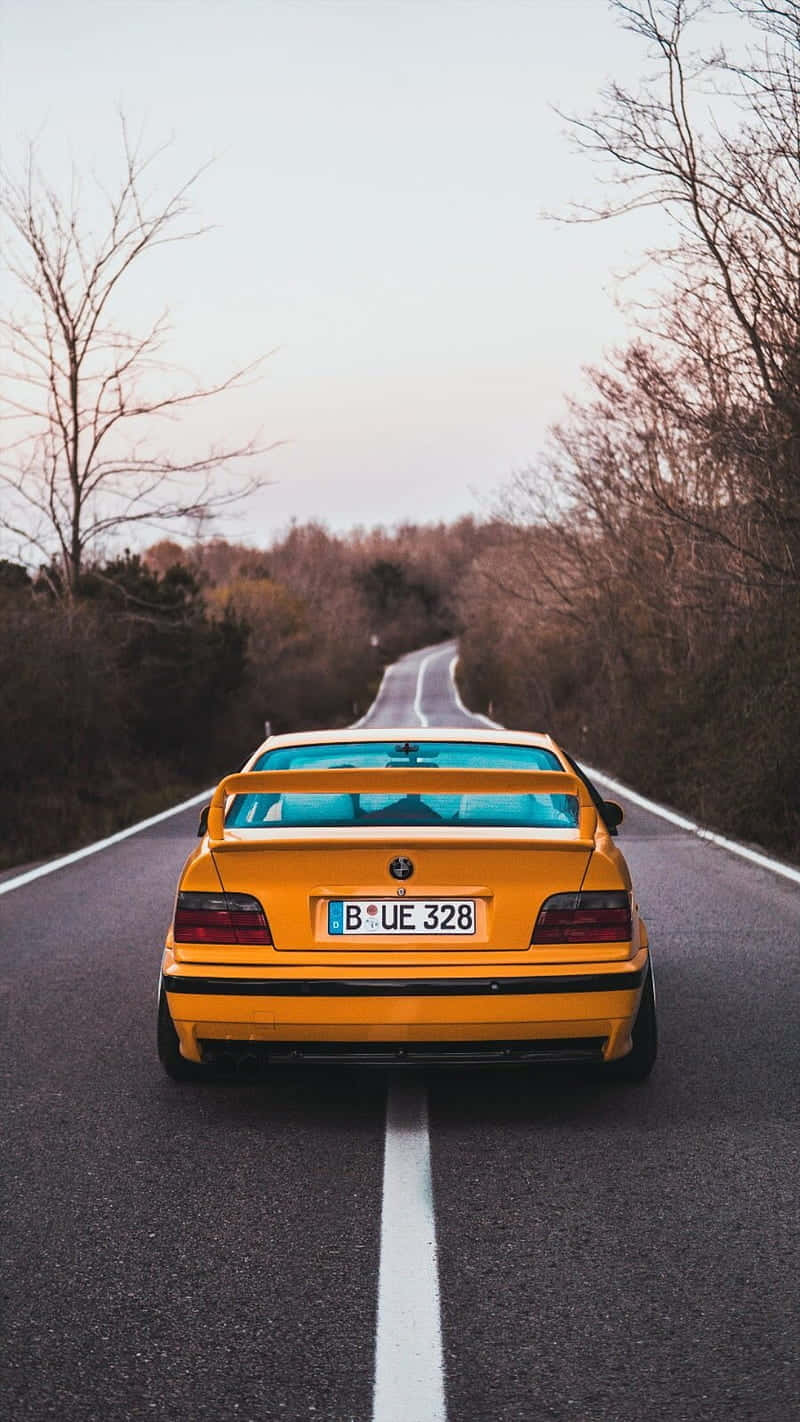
382,169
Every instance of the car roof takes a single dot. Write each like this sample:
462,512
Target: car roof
353,734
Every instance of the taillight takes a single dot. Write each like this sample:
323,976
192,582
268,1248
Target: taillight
591,917
220,918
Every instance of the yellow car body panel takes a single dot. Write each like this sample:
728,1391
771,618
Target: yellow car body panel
311,988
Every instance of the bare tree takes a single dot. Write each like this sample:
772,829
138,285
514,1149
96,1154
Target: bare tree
714,138
83,396
733,195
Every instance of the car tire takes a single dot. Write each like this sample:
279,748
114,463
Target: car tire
639,1062
169,1052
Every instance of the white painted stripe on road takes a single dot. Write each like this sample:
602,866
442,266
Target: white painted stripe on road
418,711
53,864
754,856
409,1368
476,715
370,711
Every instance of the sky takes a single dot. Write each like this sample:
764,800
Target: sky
380,174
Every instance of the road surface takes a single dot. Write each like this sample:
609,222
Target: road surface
204,1253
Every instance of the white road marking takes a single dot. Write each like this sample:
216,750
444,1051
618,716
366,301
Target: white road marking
61,863
370,711
409,1368
476,715
418,711
409,1374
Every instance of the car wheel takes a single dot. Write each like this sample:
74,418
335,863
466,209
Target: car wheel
640,1060
169,1052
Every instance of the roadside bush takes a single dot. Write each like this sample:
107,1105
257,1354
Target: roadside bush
112,703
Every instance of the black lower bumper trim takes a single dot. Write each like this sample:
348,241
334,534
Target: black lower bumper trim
403,987
245,1054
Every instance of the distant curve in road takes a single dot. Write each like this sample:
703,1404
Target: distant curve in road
212,1252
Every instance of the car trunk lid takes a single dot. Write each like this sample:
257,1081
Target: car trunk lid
306,876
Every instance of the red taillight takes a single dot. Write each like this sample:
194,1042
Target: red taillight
591,917
220,918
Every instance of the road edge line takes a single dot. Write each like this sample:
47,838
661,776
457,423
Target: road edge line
61,863
476,715
362,720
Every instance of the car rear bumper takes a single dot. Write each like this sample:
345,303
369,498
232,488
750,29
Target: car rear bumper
540,1013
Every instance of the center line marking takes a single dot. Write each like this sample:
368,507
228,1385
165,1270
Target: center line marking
418,711
409,1369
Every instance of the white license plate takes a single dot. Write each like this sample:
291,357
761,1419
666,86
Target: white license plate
426,917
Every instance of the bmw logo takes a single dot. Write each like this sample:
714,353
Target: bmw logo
401,868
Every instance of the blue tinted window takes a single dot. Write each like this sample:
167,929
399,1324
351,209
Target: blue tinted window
366,754
264,811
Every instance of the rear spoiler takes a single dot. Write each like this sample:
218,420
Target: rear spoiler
402,780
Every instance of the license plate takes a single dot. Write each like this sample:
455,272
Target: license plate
425,917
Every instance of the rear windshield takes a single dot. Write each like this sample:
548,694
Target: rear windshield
264,811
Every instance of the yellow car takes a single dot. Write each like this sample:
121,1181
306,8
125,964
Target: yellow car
406,896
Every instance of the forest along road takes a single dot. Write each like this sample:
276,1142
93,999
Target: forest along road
212,1252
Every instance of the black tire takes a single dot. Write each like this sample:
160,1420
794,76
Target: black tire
169,1052
641,1059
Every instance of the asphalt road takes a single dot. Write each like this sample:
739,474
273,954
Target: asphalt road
211,1252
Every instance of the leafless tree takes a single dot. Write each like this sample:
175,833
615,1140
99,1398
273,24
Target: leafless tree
82,396
714,139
